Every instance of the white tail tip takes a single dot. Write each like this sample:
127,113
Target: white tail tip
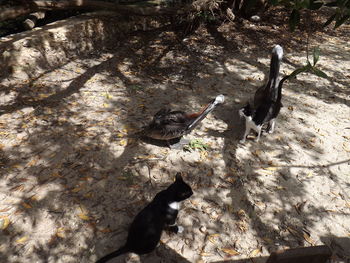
219,99
278,50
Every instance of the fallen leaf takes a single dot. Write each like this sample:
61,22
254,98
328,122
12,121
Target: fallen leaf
27,205
17,188
83,216
75,190
5,222
255,252
22,240
56,175
60,232
280,187
123,142
268,240
308,239
230,251
205,254
89,195
32,162
211,238
105,230
271,168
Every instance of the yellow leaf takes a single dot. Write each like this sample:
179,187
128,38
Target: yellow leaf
309,174
123,142
255,252
22,240
89,195
5,222
271,168
75,190
84,216
268,240
18,188
280,187
230,251
205,254
211,238
120,135
60,232
27,205
308,239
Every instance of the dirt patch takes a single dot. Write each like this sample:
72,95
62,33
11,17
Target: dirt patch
72,179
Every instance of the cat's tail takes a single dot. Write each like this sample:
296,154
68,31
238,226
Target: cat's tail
276,58
114,254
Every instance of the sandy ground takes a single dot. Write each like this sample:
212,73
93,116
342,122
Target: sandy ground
72,179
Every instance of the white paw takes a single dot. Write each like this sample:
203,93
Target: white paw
180,229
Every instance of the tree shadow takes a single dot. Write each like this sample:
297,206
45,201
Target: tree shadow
75,175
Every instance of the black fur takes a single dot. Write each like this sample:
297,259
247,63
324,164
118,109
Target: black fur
146,229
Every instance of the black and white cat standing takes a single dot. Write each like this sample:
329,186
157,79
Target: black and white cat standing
160,214
267,100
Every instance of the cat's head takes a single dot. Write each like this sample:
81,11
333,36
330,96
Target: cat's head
246,111
180,190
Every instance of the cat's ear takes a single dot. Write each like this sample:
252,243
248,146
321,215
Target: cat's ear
178,177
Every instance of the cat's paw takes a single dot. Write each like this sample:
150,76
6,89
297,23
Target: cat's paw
180,229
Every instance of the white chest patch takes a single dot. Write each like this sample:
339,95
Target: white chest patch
174,205
251,125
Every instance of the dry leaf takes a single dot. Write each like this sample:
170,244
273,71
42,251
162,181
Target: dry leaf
27,205
56,175
5,222
211,238
271,168
308,239
89,195
4,210
84,216
205,254
123,142
60,232
22,240
255,252
17,188
75,190
268,240
105,230
230,251
32,162
280,187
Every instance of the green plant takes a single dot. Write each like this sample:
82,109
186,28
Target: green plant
340,16
310,67
196,145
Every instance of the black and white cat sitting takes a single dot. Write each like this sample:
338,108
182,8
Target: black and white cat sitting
267,100
160,214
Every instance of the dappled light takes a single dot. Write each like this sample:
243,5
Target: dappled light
73,175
